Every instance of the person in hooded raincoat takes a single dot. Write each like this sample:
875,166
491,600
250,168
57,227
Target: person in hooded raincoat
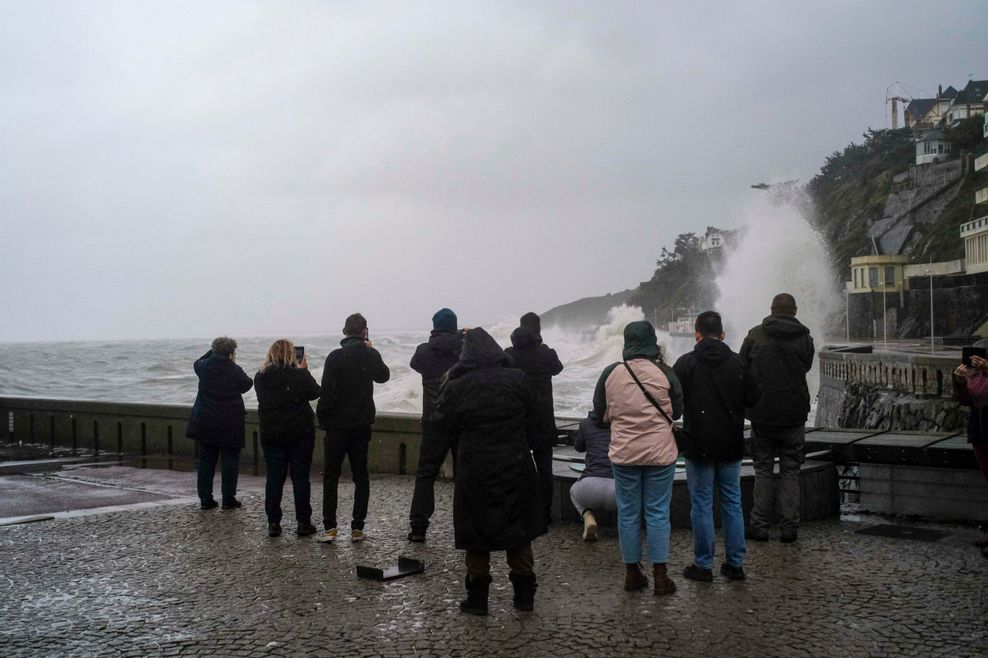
490,409
642,451
779,352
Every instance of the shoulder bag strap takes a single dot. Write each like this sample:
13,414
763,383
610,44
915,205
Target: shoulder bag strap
647,394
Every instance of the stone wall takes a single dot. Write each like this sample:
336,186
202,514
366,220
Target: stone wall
888,392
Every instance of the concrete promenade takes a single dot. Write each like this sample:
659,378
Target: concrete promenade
169,579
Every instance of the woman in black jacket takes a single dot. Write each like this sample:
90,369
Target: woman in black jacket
288,432
489,409
217,420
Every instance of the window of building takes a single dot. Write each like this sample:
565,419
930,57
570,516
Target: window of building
890,276
873,277
855,272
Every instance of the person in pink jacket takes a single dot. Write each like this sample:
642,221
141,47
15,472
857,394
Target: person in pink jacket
640,397
971,388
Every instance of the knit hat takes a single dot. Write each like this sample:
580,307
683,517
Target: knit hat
532,321
444,320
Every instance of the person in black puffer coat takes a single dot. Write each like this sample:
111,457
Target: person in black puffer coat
346,411
716,389
432,360
217,421
489,408
779,352
540,363
288,432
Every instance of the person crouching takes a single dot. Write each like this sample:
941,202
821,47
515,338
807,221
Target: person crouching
595,488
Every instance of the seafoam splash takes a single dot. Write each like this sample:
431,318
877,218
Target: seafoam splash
779,252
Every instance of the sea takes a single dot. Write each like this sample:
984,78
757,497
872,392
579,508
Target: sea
160,371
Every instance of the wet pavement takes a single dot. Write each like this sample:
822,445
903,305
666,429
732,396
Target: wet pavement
173,580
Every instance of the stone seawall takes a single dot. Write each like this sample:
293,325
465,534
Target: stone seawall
888,392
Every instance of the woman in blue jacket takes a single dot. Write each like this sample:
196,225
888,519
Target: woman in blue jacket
217,421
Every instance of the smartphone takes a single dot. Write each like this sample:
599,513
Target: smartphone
968,352
299,354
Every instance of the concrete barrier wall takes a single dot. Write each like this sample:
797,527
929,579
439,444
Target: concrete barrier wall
156,432
919,374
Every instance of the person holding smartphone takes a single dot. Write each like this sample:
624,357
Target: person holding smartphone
971,389
218,421
284,388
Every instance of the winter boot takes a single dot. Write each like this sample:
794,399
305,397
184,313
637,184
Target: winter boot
478,588
663,584
634,579
525,587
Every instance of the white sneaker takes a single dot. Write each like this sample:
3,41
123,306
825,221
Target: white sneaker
327,536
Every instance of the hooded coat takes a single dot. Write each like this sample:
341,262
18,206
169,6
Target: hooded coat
640,434
432,360
533,357
487,407
283,408
218,414
716,390
779,352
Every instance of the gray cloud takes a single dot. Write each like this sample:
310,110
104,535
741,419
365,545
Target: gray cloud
182,168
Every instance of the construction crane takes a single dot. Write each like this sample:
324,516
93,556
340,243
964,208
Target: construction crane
895,100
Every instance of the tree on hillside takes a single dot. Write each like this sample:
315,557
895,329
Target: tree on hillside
967,135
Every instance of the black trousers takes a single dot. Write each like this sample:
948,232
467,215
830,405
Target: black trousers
543,464
519,559
229,459
432,453
339,444
286,458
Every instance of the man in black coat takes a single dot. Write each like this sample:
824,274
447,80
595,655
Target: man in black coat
488,408
346,411
529,354
432,360
716,389
218,419
779,353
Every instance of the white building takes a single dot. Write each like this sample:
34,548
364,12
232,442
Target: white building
932,147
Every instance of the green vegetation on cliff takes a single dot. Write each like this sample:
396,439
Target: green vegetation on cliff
683,279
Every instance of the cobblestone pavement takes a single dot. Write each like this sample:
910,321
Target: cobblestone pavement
174,580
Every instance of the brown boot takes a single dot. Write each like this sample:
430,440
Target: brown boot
663,584
634,579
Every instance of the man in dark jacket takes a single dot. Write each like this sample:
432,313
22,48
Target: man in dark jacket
529,354
716,389
779,353
488,408
346,411
432,360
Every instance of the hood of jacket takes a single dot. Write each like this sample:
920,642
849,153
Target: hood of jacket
639,341
480,350
352,340
712,352
445,342
784,326
525,337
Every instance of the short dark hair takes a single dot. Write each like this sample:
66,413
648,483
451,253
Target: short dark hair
224,346
708,324
783,304
355,325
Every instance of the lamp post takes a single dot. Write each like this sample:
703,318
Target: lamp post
847,314
933,349
885,324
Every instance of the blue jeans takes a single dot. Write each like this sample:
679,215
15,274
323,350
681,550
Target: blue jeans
701,476
647,488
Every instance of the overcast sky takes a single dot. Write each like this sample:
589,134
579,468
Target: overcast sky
172,169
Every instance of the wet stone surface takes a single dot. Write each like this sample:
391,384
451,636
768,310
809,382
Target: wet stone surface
174,580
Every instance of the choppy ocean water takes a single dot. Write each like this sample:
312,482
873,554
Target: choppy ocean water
160,371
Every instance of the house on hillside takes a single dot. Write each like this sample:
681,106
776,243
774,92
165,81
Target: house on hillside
713,239
969,102
924,114
932,147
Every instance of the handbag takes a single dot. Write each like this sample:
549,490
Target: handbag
680,434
